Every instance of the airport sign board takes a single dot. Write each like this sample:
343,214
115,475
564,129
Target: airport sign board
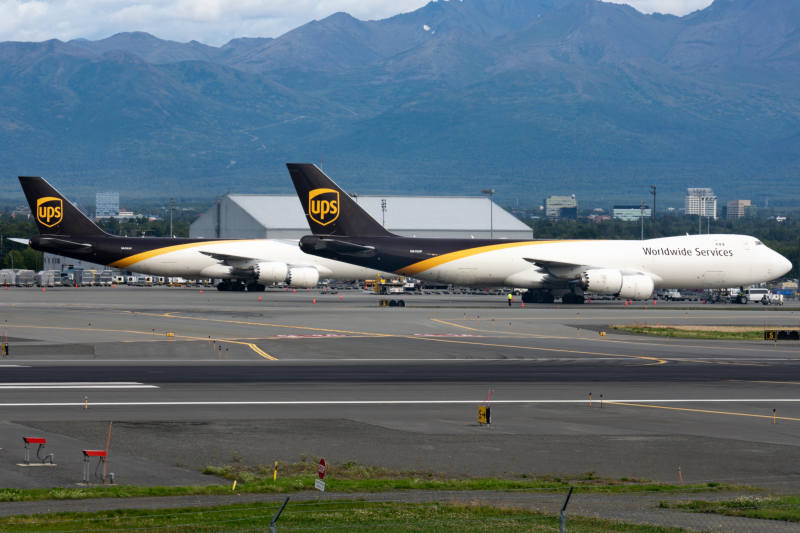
321,469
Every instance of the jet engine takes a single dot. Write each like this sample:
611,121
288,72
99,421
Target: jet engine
271,272
305,278
636,287
601,281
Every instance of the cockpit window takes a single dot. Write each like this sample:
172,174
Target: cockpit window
759,243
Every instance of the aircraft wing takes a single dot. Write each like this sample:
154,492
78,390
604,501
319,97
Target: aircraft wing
559,269
245,263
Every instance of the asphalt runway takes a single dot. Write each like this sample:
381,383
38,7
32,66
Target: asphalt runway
417,372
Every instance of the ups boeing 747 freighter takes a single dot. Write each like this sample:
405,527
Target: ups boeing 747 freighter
343,231
251,263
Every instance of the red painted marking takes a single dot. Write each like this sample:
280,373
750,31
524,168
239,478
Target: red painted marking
94,453
34,440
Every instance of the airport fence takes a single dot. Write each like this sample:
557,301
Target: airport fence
710,508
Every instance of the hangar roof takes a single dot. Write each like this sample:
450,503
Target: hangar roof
403,213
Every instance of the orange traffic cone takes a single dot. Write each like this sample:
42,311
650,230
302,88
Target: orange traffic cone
294,291
340,296
259,298
42,289
626,303
523,304
315,301
201,292
308,290
655,302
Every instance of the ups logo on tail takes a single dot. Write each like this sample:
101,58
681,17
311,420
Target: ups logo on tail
49,211
323,206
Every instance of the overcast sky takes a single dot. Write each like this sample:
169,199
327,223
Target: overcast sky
212,22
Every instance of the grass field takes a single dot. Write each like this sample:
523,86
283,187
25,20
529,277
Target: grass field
698,332
349,478
329,516
785,508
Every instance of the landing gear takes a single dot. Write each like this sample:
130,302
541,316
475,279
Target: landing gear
570,298
538,297
224,286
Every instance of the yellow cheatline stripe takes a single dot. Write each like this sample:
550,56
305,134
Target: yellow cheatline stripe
433,262
128,261
703,411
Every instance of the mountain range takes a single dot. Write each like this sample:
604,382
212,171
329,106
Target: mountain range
529,97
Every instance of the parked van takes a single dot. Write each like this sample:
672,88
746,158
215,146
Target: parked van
752,294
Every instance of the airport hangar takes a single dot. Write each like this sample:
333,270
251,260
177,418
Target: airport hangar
260,216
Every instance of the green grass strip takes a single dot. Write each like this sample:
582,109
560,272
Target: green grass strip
785,508
329,516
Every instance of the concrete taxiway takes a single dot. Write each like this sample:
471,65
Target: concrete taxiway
339,376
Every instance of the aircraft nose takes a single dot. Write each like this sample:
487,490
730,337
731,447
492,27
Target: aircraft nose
782,265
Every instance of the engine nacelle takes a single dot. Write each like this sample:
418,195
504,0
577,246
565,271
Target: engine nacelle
636,287
305,278
271,272
601,281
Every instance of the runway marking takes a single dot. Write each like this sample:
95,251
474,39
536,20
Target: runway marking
261,352
711,412
317,336
658,361
443,335
419,402
78,385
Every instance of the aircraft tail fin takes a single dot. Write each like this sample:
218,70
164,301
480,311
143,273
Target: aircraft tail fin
54,214
329,210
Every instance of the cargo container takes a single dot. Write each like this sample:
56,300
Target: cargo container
104,278
84,278
47,278
26,278
8,277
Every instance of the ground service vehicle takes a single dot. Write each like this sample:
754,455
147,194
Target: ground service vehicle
343,231
251,263
751,294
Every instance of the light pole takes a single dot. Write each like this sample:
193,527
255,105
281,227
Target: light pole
171,209
653,212
490,192
641,216
353,195
383,209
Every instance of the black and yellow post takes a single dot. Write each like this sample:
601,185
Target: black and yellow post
4,349
484,415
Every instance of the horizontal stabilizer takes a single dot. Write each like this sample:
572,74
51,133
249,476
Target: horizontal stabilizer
66,246
26,242
346,248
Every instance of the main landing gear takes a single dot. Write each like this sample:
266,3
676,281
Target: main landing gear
542,297
239,286
538,297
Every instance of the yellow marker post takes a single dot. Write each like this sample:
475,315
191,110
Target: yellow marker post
275,473
509,326
493,322
590,399
86,402
773,417
579,333
479,321
601,401
234,485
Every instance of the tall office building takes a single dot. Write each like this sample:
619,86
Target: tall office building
106,204
561,207
738,208
701,201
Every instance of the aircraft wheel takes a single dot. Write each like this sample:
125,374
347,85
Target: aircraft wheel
221,286
578,299
527,297
549,298
567,298
261,288
238,287
538,298
252,286
401,303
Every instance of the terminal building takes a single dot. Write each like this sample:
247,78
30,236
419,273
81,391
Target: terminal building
259,216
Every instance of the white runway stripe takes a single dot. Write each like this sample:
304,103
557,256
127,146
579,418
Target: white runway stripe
596,401
78,385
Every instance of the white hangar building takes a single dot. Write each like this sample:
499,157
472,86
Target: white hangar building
259,216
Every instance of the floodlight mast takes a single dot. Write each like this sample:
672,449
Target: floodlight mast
490,192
